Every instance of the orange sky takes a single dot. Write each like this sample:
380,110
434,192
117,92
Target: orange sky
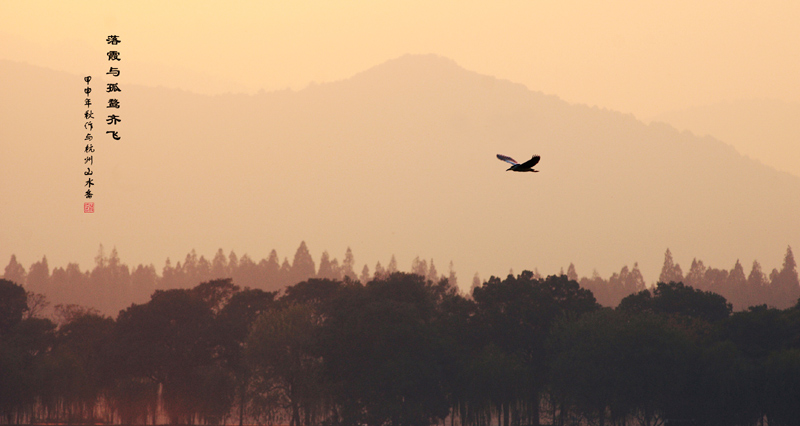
636,57
642,58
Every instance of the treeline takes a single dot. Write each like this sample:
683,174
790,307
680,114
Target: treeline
111,285
779,289
402,350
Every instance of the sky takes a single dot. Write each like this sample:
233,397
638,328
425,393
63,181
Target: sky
641,58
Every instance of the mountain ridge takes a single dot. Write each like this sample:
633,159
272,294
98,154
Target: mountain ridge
398,159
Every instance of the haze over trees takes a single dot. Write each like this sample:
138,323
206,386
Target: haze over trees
112,285
402,349
649,185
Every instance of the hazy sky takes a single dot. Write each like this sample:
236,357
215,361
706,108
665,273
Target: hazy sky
642,58
636,57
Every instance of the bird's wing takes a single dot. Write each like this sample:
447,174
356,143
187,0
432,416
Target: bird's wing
532,162
507,159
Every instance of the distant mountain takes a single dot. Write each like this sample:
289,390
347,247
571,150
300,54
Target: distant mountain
399,159
764,129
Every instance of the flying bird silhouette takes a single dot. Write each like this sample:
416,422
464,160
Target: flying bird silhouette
517,167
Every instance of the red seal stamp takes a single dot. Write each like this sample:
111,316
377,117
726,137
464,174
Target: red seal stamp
88,207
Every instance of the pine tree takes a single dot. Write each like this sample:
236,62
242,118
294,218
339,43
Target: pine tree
15,272
737,287
348,264
451,277
303,266
392,267
325,270
379,271
696,275
419,267
39,277
433,275
364,277
785,285
671,271
476,282
572,274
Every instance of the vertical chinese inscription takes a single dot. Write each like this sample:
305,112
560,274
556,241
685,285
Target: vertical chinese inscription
113,88
88,116
112,118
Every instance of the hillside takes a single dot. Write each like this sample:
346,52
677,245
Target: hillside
399,159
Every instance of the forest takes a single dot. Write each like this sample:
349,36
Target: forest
111,285
402,349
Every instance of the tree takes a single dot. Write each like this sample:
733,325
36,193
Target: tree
476,282
171,341
781,390
392,267
285,273
736,287
756,284
39,276
364,277
572,273
216,293
235,321
696,276
517,314
785,285
348,264
13,305
144,281
85,368
26,370
678,299
109,283
433,275
233,264
219,266
303,266
15,272
380,272
451,276
671,271
326,269
382,353
279,350
419,267
758,331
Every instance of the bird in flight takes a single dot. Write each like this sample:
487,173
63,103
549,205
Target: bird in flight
517,167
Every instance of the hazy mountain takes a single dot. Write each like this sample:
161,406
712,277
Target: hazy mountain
397,159
764,129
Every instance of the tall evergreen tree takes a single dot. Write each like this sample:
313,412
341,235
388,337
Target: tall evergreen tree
14,271
571,272
452,279
671,271
348,264
392,267
785,285
695,278
380,272
433,275
737,287
303,266
39,276
364,277
419,267
219,266
325,269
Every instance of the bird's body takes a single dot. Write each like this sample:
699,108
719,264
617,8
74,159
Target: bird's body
517,167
